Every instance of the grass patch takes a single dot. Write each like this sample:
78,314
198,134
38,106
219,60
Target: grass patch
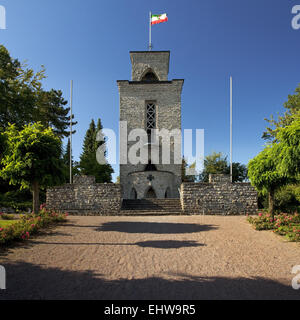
284,224
6,223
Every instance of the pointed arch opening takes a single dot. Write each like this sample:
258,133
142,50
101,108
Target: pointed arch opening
168,193
150,194
133,194
149,76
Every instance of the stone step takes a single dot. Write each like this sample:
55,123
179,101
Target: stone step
163,206
149,213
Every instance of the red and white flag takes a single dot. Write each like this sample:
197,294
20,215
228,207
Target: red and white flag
158,18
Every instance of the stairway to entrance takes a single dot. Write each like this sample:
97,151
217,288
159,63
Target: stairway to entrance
151,207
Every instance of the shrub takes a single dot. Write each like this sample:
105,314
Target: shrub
30,224
283,224
17,206
4,216
286,199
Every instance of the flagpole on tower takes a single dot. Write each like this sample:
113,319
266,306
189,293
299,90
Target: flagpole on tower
150,25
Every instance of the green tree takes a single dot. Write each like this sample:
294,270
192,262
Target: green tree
184,167
32,158
53,113
292,107
88,162
288,138
66,164
216,163
279,163
239,172
264,175
23,100
287,198
19,87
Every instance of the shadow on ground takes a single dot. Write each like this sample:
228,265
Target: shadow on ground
49,232
28,281
158,244
153,227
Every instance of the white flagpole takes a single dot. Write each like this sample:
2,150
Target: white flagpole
150,35
71,131
231,167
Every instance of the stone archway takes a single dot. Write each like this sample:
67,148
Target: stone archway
168,193
150,194
133,194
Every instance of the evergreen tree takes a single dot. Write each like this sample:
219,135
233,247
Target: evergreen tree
66,164
53,113
88,162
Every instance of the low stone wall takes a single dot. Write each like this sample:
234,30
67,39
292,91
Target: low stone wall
85,197
219,196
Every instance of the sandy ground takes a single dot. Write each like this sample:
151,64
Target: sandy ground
160,258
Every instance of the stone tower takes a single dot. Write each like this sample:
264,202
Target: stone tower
150,101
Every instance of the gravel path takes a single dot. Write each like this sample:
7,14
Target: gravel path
160,258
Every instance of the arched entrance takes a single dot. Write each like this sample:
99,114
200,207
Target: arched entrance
168,193
150,194
133,194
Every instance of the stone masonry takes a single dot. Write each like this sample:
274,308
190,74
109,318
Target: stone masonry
85,197
134,96
219,196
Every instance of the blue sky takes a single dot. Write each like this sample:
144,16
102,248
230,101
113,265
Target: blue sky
89,41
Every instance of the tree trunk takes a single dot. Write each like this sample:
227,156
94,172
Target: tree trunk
35,197
271,202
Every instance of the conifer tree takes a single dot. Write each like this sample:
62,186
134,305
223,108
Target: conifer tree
88,162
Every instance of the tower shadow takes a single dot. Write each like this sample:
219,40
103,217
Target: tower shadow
154,227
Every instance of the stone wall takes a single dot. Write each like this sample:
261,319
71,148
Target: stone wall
219,196
162,182
158,61
85,197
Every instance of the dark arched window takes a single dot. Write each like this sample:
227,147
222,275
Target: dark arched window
150,77
168,193
133,194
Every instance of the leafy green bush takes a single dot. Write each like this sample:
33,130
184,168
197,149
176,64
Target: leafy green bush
283,224
17,206
4,216
30,224
287,199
